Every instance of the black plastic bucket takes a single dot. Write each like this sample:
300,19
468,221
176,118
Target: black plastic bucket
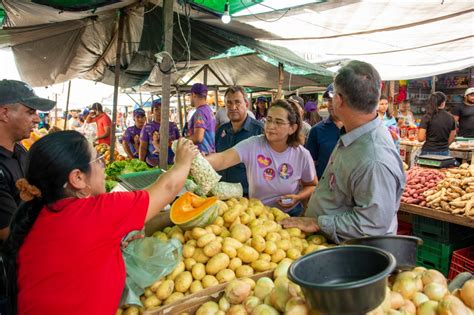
343,280
403,248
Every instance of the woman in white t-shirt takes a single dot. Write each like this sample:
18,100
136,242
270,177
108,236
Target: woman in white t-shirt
280,170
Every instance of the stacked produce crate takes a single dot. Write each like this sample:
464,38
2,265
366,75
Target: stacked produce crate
440,239
462,261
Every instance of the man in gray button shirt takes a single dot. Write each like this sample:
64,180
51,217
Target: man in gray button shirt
360,190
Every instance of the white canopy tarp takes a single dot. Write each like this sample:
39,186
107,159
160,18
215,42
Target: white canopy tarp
403,39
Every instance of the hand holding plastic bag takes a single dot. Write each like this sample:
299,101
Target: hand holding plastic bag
146,261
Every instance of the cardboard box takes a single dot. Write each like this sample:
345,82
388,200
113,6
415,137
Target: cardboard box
189,304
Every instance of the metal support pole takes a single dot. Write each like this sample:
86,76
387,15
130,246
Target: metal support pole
180,113
67,104
118,57
281,77
168,16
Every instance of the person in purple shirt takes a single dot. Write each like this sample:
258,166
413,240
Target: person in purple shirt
131,136
280,171
202,126
150,138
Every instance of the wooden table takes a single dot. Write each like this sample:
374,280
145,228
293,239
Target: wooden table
438,215
462,153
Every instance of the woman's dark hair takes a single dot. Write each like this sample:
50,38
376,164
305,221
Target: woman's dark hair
50,161
312,118
259,115
434,102
294,117
388,113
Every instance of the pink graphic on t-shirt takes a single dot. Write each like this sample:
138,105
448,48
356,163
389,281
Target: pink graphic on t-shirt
269,174
263,161
285,171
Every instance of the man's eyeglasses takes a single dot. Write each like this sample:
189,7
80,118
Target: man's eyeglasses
99,159
277,122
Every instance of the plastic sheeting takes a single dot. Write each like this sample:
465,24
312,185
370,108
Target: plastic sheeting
83,45
402,39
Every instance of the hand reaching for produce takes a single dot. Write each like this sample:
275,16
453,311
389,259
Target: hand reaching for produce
186,152
307,225
288,201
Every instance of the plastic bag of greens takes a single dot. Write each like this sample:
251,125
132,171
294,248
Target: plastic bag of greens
202,172
146,261
226,191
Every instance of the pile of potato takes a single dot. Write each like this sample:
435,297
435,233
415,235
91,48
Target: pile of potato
455,193
245,239
263,297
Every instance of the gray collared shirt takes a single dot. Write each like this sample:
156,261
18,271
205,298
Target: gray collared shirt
360,190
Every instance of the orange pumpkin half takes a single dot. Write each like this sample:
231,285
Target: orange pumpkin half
190,211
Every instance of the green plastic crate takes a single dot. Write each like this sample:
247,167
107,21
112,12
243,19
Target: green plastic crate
440,231
437,255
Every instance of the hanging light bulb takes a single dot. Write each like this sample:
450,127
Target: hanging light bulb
226,16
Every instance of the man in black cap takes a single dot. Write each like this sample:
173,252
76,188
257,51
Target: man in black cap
18,116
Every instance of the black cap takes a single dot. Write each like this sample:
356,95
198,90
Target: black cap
12,91
296,99
329,93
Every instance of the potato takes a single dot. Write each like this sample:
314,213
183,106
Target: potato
148,292
189,263
270,247
199,256
261,265
209,281
224,304
197,232
240,232
258,242
132,310
231,215
278,255
196,286
216,229
225,275
205,239
219,222
295,232
208,308
264,256
198,271
232,242
176,271
273,265
225,233
213,248
254,223
155,285
165,289
293,253
247,254
244,271
283,244
188,251
284,234
151,301
259,230
179,236
273,236
244,218
270,225
234,263
192,243
217,263
229,251
183,281
173,298
237,310
249,281
297,243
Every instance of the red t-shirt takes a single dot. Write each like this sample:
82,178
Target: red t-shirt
102,121
71,261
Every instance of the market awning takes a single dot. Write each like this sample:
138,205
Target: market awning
82,45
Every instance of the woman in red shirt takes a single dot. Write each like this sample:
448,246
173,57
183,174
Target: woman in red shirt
64,246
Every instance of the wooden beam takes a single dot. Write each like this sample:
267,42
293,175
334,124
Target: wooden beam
217,77
281,78
168,16
118,57
180,113
194,75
